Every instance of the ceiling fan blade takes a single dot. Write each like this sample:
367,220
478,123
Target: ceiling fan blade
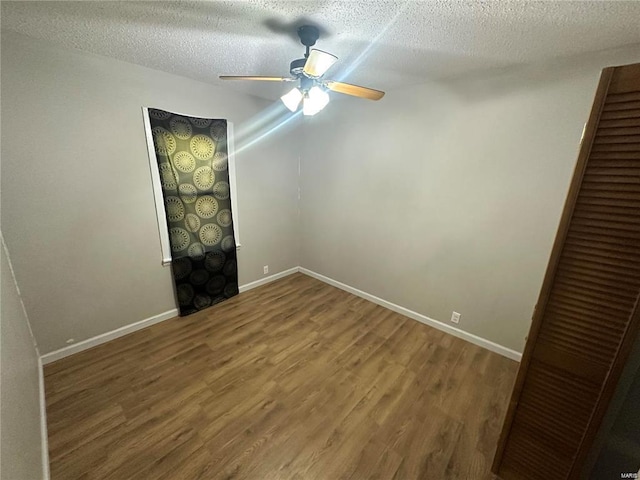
355,90
250,77
318,63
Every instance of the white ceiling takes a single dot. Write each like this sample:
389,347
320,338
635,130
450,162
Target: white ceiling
381,44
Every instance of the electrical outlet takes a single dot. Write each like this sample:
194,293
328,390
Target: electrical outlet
455,317
266,269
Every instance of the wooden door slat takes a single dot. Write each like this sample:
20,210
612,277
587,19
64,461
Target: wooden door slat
616,147
586,317
603,138
630,113
575,347
596,276
620,122
601,252
589,325
617,106
597,282
615,261
603,241
604,131
614,177
614,159
595,291
610,172
623,97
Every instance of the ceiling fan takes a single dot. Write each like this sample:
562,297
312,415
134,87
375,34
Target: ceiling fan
312,88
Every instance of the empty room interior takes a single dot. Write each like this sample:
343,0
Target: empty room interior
320,240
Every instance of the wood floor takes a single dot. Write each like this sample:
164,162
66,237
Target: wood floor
292,380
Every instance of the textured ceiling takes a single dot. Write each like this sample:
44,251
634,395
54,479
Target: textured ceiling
382,44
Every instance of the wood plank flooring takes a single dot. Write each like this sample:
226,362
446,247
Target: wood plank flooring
293,380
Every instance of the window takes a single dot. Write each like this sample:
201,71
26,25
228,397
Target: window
157,187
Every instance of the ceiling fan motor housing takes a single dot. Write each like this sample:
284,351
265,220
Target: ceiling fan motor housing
297,66
308,35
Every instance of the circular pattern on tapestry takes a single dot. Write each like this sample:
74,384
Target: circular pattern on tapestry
163,140
200,122
167,176
202,147
199,277
202,301
206,207
179,239
192,222
216,284
230,290
185,294
229,268
175,209
221,190
220,162
184,162
210,234
188,192
158,114
181,268
214,261
228,243
204,177
218,130
180,127
224,218
196,251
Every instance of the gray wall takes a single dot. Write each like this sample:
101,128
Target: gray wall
20,414
78,211
444,196
447,196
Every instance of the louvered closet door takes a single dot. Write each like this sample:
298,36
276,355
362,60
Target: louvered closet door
587,317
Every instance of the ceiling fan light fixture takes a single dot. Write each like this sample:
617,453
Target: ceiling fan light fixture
314,101
309,72
292,99
318,63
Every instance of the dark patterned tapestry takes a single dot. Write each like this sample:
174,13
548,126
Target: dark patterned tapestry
192,160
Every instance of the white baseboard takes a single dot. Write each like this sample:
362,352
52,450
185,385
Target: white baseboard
44,436
147,322
106,337
482,342
269,279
